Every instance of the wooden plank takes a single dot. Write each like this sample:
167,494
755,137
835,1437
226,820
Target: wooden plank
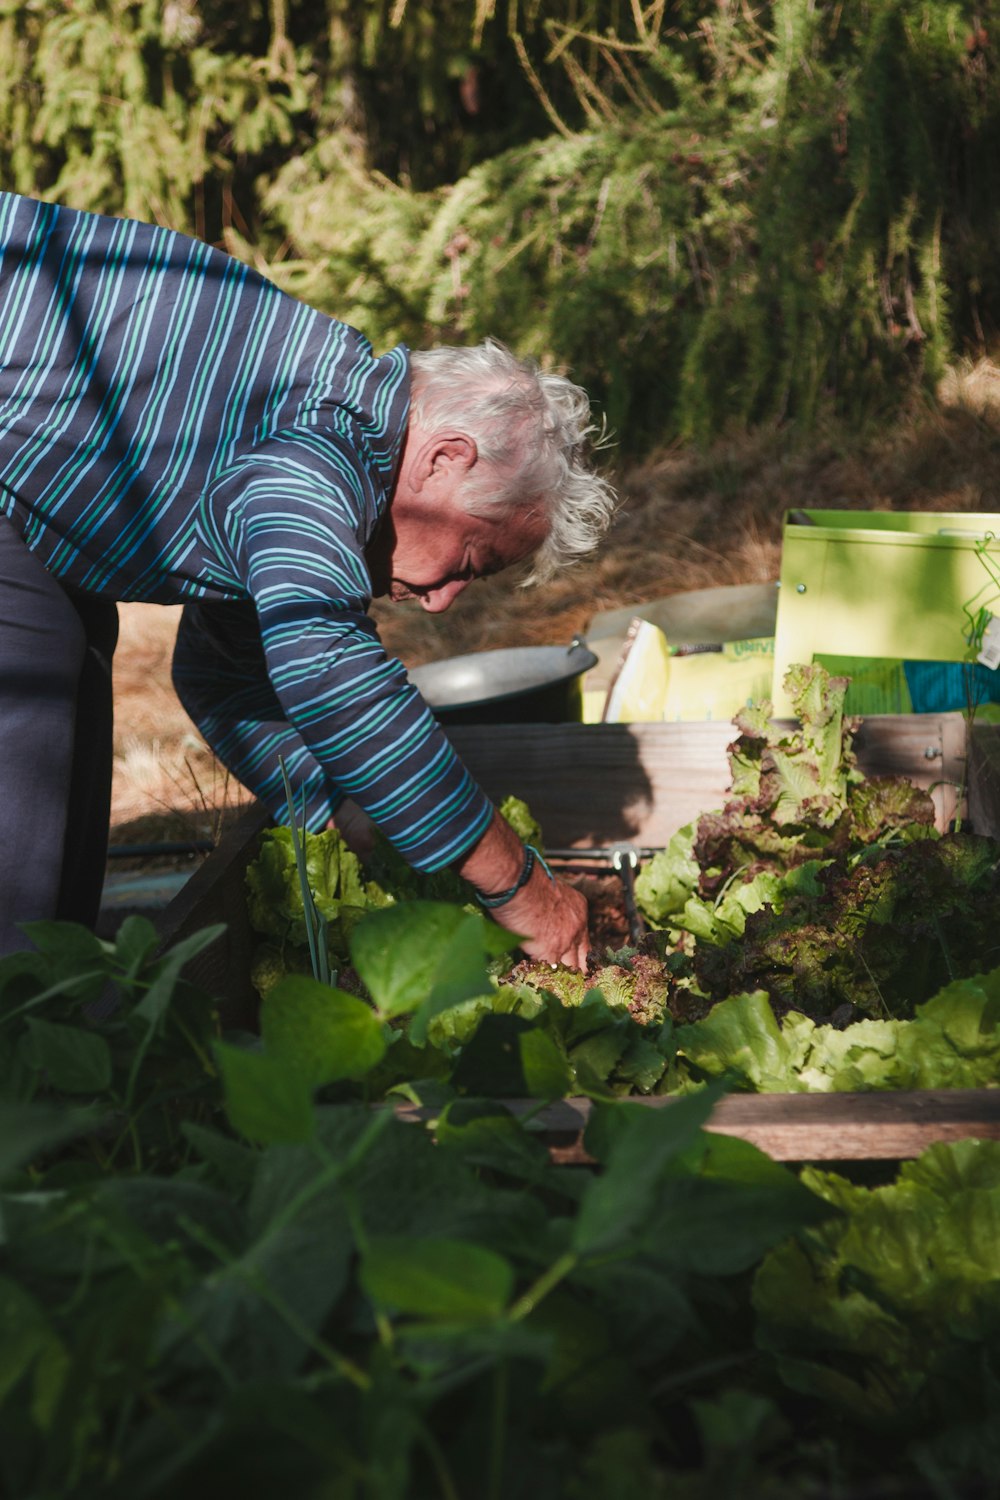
928,749
794,1127
594,784
215,893
984,779
954,785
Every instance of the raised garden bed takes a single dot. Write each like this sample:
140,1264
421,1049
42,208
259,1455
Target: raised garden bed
599,785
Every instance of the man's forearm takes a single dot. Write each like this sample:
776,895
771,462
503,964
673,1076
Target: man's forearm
550,917
495,862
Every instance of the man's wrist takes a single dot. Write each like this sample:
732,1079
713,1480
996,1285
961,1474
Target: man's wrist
532,858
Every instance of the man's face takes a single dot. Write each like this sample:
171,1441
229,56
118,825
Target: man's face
430,549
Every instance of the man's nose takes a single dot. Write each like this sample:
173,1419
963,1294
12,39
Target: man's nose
436,601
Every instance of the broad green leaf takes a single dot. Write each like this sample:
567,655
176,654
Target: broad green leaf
19,1079
546,1072
733,1423
69,944
72,967
489,1065
153,1007
460,975
403,1184
437,1348
136,942
167,972
322,1032
596,1057
397,951
76,1061
604,1385
30,1343
485,1134
400,952
234,1163
634,1143
260,1308
649,1310
266,1099
75,960
724,1205
169,1212
28,1130
444,1280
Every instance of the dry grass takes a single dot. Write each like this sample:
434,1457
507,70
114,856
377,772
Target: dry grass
166,783
687,520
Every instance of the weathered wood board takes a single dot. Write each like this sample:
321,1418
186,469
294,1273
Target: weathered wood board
216,893
595,784
795,1127
984,779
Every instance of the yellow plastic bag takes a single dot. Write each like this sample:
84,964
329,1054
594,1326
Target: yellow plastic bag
656,681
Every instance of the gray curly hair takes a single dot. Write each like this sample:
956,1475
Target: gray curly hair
530,429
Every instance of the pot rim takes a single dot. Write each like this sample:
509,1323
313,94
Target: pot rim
579,658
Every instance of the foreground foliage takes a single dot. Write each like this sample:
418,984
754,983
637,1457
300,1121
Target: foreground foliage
221,1271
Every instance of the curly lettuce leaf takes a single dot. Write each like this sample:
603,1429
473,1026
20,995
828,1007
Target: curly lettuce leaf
452,1028
889,805
519,815
665,883
639,985
891,1311
798,776
740,1040
336,880
953,1041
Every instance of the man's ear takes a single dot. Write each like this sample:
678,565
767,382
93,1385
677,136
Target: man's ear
450,451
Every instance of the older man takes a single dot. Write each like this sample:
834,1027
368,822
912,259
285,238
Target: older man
175,428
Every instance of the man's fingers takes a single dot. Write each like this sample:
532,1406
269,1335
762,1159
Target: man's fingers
553,917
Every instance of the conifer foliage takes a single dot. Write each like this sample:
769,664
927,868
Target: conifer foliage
714,214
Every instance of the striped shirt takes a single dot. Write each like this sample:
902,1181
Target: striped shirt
175,428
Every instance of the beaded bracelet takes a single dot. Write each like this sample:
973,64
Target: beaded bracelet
531,855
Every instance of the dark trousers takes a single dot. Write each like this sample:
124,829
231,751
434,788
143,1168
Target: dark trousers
56,712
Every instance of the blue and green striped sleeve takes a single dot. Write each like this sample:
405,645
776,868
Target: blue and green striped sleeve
174,428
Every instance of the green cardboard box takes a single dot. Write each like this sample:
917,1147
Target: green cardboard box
882,584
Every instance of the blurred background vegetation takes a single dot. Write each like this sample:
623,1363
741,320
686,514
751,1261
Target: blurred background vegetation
764,237
715,214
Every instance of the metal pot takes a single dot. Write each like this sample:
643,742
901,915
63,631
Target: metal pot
519,685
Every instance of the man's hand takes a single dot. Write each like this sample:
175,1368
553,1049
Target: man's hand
549,915
553,918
